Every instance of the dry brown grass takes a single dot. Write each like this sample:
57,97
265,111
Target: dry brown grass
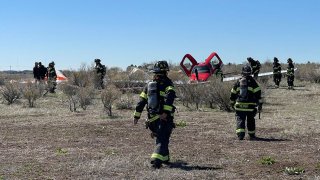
50,142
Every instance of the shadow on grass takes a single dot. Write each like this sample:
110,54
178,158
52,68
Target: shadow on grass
184,166
269,139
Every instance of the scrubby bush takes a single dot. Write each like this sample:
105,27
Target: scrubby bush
71,92
125,101
108,96
217,94
31,92
308,72
85,95
82,77
10,92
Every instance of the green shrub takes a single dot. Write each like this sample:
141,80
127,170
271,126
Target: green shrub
267,160
294,170
181,123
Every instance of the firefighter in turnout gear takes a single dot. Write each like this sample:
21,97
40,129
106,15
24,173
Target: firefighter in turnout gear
255,66
158,95
100,70
276,72
52,77
290,74
245,97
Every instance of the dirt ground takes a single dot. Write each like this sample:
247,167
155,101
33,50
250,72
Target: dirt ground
50,142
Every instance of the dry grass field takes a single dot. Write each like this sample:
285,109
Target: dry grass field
50,142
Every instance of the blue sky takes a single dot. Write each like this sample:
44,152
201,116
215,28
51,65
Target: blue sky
124,32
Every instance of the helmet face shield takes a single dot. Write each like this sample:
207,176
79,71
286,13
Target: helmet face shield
161,67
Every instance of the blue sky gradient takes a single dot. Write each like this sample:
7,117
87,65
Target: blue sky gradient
124,32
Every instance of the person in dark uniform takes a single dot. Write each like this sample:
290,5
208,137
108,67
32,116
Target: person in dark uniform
290,74
158,95
100,70
245,97
52,77
276,72
255,66
36,72
43,71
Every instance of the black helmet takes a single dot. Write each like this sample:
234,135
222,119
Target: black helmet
249,59
160,67
289,60
275,59
51,64
97,60
246,70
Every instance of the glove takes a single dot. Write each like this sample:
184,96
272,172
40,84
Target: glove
260,107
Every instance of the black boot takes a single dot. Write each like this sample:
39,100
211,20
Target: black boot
156,163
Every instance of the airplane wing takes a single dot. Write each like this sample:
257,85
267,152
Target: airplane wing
260,74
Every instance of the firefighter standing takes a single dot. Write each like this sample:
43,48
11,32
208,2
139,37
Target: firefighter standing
159,96
36,72
255,66
42,71
245,97
276,72
290,74
100,73
52,77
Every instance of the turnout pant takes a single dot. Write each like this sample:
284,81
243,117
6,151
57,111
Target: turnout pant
290,80
241,117
277,79
162,131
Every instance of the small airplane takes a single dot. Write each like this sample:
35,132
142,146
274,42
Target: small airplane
199,72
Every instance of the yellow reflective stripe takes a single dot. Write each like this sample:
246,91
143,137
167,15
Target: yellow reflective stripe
167,108
159,156
154,118
242,109
169,88
240,130
250,89
245,103
137,114
162,93
144,95
256,89
251,132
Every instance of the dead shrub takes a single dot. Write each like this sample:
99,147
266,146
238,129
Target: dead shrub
31,92
10,92
108,96
125,101
82,77
71,92
308,72
218,94
85,95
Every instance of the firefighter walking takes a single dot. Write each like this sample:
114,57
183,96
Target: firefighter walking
276,72
255,66
290,74
245,97
158,95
